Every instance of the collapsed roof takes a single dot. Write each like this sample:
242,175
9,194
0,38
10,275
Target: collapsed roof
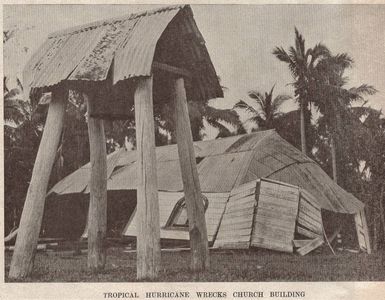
223,165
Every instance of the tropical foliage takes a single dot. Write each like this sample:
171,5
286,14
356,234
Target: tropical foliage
264,110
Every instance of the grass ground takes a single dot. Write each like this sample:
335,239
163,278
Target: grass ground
256,265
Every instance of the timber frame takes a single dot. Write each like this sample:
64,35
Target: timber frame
169,64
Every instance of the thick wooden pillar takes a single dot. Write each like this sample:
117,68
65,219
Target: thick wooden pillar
97,214
191,185
31,218
148,237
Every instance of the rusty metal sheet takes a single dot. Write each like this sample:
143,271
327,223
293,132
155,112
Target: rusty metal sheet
135,54
220,170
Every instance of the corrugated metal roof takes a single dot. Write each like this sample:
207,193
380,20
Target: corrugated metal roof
123,48
228,163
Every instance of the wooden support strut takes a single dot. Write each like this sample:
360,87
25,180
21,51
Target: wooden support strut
148,237
191,185
97,213
32,215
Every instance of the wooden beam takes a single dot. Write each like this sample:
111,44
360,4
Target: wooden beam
32,215
171,69
310,246
366,231
97,213
148,236
191,185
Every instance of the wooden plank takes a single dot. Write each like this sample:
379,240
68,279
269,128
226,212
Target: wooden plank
278,182
307,233
148,235
310,224
308,205
274,222
273,235
271,244
233,237
273,227
310,218
243,187
191,185
312,245
31,218
311,213
366,232
300,243
280,196
226,245
278,208
277,201
278,187
239,232
304,195
358,220
242,204
240,223
242,195
260,211
247,212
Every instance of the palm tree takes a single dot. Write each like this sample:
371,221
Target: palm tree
265,108
301,63
333,100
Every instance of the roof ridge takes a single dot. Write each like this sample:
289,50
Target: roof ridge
92,25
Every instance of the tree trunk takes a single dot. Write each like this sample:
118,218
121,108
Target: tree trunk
191,185
375,219
32,215
334,158
97,213
303,129
382,211
148,237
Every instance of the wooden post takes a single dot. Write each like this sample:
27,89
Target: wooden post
366,231
97,214
148,237
32,215
191,185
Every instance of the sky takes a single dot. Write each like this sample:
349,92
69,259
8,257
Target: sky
240,40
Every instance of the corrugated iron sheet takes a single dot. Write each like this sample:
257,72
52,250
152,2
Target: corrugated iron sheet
122,48
228,163
87,53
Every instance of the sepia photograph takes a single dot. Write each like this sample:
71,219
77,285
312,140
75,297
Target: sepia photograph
194,143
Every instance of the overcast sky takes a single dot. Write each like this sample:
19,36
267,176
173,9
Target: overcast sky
239,38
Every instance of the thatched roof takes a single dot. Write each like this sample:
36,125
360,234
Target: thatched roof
223,165
110,54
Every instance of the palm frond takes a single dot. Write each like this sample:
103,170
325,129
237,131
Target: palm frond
281,54
363,90
243,105
299,43
279,100
227,115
